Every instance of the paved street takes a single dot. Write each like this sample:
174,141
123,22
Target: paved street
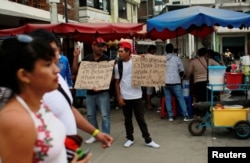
177,145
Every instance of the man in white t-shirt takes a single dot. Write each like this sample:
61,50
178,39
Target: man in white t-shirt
130,98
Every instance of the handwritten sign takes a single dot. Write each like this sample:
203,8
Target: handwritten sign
94,75
149,70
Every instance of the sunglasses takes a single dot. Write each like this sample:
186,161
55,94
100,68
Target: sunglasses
5,94
21,39
24,38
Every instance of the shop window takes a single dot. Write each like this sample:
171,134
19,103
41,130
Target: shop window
239,1
122,9
89,3
98,4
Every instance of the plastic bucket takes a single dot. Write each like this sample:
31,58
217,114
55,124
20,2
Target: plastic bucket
246,69
216,75
233,78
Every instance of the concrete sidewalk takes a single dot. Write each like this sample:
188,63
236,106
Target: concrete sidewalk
177,144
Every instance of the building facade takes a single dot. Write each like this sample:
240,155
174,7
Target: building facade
118,11
223,38
14,13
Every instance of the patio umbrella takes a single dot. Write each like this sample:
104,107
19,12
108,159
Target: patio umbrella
196,20
85,32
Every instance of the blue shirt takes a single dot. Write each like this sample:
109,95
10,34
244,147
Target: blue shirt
65,71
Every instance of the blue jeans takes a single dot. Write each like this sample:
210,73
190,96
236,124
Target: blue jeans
99,102
177,91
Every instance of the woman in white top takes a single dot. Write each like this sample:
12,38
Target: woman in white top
30,133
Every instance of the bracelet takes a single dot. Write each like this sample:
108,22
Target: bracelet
95,132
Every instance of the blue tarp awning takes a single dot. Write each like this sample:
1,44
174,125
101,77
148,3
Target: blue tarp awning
197,20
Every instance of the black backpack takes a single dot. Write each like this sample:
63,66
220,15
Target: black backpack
120,67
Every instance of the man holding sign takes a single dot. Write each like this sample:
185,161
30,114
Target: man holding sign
90,73
130,97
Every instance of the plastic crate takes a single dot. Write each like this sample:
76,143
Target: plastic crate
235,79
229,117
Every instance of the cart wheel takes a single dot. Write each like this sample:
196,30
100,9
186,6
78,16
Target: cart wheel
242,130
195,127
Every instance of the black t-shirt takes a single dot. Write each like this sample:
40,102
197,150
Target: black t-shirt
91,59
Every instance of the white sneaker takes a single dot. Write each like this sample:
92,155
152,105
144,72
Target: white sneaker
153,144
128,143
186,119
171,119
90,140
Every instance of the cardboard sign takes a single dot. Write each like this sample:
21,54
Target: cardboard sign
149,70
94,75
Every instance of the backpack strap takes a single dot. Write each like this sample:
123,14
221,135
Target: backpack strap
120,67
60,89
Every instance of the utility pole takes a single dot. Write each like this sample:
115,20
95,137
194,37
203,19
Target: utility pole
66,11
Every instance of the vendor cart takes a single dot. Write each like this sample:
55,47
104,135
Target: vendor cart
232,118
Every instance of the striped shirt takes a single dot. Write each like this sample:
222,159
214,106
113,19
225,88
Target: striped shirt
173,67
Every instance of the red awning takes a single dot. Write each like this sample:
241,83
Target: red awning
85,32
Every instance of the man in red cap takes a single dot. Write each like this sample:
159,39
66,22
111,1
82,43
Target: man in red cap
125,44
96,99
99,42
130,98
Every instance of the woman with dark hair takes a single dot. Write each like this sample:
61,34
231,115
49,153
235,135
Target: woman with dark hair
198,68
215,55
30,133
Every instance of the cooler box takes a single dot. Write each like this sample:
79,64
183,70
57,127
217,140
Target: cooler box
216,75
234,79
229,117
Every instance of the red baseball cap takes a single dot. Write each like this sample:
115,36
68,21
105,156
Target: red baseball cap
99,41
125,45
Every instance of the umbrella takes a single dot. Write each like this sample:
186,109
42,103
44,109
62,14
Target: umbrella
85,32
197,20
